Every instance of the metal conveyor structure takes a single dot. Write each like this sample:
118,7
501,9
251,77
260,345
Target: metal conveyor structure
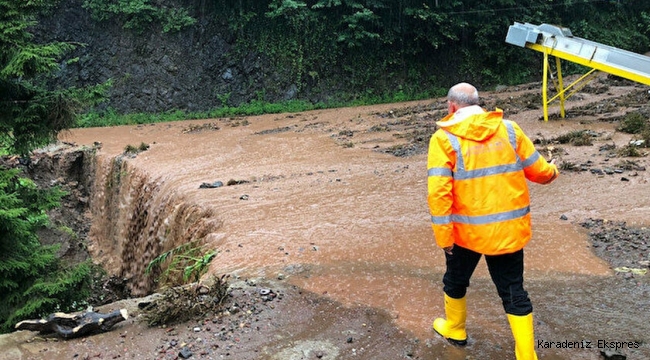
557,41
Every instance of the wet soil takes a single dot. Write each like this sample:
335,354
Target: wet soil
327,210
293,324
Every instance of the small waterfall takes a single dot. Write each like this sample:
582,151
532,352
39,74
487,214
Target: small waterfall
135,218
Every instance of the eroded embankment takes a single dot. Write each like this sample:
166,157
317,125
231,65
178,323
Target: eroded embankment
115,213
136,218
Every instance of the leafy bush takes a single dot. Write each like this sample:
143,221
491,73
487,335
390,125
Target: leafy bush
181,264
633,123
138,14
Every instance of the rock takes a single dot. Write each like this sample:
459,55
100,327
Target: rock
213,185
612,355
185,353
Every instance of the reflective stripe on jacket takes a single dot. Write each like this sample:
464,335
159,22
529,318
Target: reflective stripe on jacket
477,190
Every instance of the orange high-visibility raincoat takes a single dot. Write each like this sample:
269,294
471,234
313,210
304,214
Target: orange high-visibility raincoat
478,196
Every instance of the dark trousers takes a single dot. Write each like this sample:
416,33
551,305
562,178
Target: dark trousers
507,272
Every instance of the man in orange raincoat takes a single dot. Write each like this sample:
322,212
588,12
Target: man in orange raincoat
478,167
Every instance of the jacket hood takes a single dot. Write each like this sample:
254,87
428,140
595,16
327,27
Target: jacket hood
472,123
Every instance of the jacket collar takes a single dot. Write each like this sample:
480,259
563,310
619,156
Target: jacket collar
460,115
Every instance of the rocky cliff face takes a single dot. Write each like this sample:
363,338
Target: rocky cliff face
193,70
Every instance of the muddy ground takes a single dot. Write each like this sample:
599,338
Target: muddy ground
314,300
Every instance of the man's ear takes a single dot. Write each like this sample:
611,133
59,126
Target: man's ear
452,107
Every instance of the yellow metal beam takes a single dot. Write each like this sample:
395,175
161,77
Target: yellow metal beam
583,80
559,86
643,79
545,86
556,41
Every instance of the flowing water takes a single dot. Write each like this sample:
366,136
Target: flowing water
322,209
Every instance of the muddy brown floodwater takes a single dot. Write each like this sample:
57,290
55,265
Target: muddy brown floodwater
328,208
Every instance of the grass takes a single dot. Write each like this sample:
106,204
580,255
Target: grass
633,123
111,117
132,149
576,138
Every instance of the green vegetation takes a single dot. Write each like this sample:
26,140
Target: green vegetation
362,52
576,138
132,149
630,150
140,15
31,114
255,107
112,118
414,46
633,123
33,281
182,264
637,124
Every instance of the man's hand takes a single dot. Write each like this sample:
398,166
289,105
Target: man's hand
448,249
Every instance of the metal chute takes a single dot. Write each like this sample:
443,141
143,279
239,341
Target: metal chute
560,43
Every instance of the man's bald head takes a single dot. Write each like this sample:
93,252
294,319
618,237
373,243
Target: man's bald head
463,94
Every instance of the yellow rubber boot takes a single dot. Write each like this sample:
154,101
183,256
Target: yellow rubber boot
453,328
524,334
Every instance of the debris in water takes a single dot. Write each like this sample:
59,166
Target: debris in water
183,303
70,326
213,185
